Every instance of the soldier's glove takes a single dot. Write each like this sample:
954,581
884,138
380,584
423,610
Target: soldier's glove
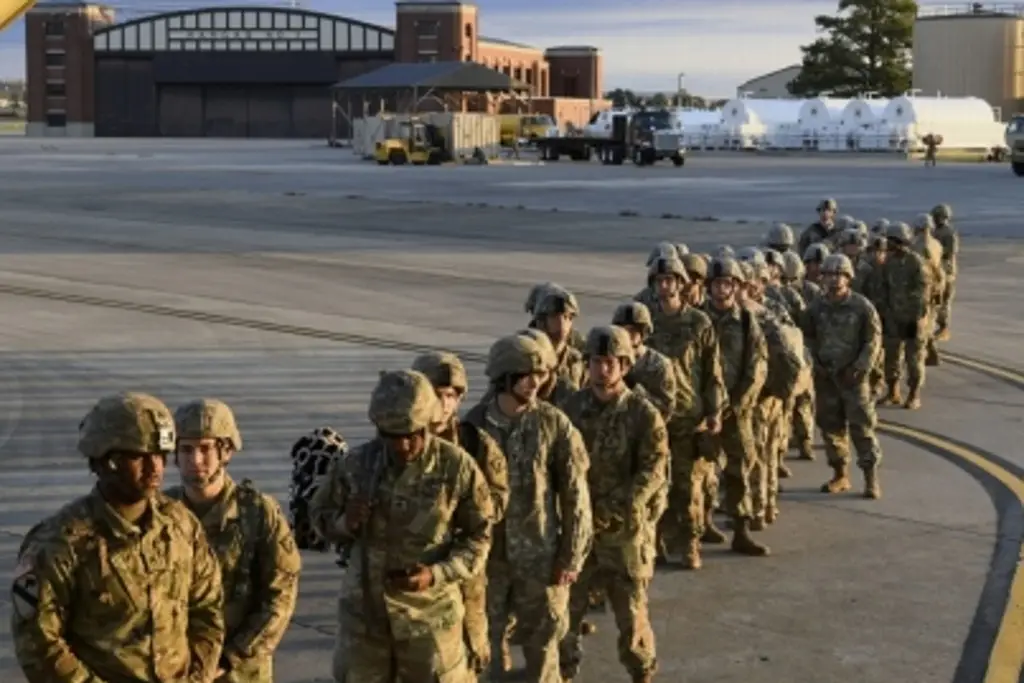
414,580
851,377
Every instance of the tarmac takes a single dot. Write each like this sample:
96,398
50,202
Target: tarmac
281,277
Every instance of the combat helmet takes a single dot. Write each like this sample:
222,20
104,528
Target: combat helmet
816,253
682,249
129,422
942,213
772,257
899,233
878,243
544,341
759,271
666,266
880,226
780,236
726,268
747,268
924,223
793,266
724,251
837,264
828,204
634,314
536,292
845,221
750,255
862,228
662,250
403,402
516,354
850,237
610,340
555,300
208,418
443,369
696,266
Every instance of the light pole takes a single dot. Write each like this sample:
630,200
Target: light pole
679,87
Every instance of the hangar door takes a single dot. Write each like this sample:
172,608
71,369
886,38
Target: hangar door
244,111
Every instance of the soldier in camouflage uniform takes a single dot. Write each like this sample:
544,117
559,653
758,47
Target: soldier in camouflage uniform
880,227
802,423
947,235
821,230
686,336
780,238
814,256
121,584
851,243
843,332
540,547
696,267
248,531
554,315
744,361
447,374
648,296
537,293
869,282
905,315
930,249
417,511
652,374
776,289
628,445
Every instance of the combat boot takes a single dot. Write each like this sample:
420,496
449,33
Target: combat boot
872,489
806,451
771,515
839,481
784,471
757,524
942,334
893,396
931,358
743,543
913,399
691,558
712,534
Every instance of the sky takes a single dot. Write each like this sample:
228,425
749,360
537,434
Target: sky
718,44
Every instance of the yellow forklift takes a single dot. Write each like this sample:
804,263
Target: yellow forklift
415,142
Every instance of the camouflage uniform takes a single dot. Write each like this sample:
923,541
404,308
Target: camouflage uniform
930,249
800,428
905,315
570,371
446,370
652,375
434,512
869,282
780,238
844,337
259,561
537,294
744,359
820,231
98,598
547,525
687,337
628,446
947,235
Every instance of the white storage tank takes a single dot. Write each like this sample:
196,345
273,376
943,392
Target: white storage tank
821,111
921,110
745,111
863,112
785,136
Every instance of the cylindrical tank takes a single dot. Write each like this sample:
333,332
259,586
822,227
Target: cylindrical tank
821,111
863,112
745,111
920,110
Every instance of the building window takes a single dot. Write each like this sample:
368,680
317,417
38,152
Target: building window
57,119
54,26
56,89
469,31
55,59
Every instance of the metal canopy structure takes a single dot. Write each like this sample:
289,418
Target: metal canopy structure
437,77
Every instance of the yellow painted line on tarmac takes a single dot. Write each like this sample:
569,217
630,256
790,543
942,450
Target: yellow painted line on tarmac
10,10
990,369
1006,661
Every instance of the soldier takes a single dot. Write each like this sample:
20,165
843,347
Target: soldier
74,614
652,373
822,229
907,289
813,258
780,238
249,533
851,243
744,359
775,289
537,293
843,332
554,315
540,548
930,249
628,445
751,255
880,227
417,511
647,296
947,235
869,282
802,423
447,374
686,336
697,271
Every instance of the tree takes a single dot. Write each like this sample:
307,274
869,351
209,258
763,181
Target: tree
622,98
865,49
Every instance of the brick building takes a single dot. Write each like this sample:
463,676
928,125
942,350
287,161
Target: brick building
258,71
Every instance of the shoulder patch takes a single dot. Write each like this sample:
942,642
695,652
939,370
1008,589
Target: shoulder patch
25,592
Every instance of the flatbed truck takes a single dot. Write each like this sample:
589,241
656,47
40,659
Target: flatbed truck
644,138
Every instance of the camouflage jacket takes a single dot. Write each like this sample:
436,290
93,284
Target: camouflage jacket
843,334
571,367
815,232
648,297
260,568
657,378
948,237
808,290
97,598
548,522
790,298
930,250
787,366
433,511
629,455
744,354
870,283
489,458
688,338
907,291
775,305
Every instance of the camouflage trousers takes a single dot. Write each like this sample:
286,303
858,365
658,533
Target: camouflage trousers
911,340
945,307
438,657
736,441
478,645
764,476
606,571
541,619
844,413
802,430
694,489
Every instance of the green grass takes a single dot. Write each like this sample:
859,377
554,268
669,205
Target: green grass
958,156
12,127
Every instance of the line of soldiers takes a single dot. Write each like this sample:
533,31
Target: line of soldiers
587,461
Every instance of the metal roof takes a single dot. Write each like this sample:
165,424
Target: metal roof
453,76
502,41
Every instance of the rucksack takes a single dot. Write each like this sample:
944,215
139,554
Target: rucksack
312,456
786,359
